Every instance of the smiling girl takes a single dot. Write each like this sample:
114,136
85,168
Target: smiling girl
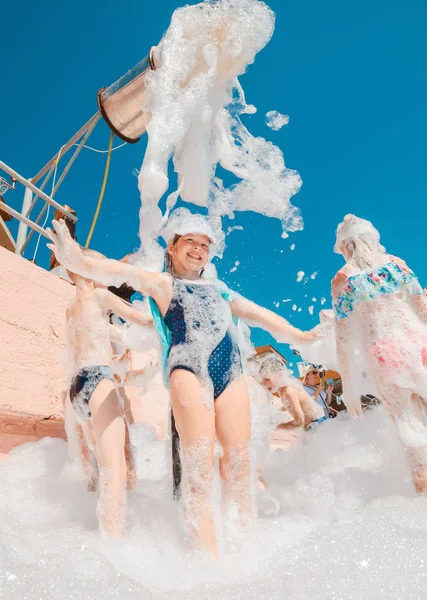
194,318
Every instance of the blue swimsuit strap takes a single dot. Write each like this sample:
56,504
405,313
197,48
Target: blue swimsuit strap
165,334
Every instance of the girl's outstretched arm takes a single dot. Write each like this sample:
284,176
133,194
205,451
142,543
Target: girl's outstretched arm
120,308
107,271
277,326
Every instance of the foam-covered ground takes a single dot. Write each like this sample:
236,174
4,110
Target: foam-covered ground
349,526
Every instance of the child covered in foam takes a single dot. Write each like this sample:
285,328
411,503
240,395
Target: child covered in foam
93,393
194,319
276,378
381,330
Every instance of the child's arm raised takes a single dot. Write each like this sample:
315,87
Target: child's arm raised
123,310
277,326
107,271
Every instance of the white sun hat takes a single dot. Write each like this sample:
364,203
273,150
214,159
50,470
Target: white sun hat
354,227
183,222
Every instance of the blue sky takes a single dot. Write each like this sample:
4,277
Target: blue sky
351,76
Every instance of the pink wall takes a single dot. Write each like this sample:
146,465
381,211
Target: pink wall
32,337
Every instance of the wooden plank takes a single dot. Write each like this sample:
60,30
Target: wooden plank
6,239
21,424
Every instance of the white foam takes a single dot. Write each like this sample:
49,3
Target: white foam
196,101
276,120
348,515
236,266
300,276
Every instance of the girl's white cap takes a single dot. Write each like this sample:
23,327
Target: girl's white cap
354,227
183,222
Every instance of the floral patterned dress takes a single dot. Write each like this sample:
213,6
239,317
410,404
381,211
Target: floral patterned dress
381,318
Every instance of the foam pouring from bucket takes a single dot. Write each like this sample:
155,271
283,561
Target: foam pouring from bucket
196,101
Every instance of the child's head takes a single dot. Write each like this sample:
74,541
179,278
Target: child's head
272,374
188,253
190,242
75,278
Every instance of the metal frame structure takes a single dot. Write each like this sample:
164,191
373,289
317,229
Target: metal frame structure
126,92
34,192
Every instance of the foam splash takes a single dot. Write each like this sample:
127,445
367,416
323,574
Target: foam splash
345,491
236,266
196,102
300,276
276,120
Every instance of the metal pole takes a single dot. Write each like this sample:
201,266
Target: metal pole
93,121
22,229
22,219
90,127
42,186
36,190
61,179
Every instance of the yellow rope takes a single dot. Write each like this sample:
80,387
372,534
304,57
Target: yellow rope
101,194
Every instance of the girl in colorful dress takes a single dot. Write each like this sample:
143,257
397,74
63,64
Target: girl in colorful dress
381,332
194,318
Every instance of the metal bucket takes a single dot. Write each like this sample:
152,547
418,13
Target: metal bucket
121,103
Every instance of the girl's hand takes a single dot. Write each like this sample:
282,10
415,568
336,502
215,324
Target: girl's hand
66,250
305,337
317,333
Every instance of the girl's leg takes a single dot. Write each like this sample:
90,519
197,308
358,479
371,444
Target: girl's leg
88,457
233,427
409,414
109,434
196,427
130,464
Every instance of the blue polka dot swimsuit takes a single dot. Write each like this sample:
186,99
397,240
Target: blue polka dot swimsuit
203,337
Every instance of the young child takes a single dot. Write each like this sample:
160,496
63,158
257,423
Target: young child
381,332
276,378
93,392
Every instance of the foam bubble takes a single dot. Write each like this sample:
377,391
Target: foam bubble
276,120
236,266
